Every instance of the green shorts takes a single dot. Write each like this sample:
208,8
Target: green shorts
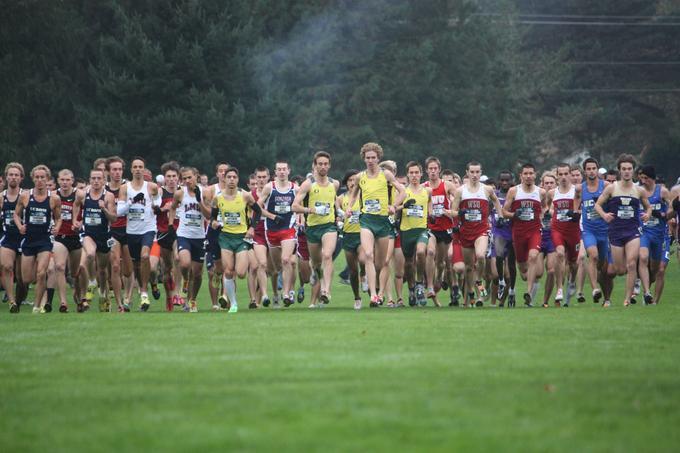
316,232
379,225
351,242
233,242
411,238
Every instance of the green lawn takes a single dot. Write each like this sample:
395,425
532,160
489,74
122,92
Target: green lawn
576,379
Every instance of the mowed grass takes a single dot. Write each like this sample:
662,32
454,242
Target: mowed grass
576,379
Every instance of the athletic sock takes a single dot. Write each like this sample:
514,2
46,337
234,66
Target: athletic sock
50,295
230,287
511,292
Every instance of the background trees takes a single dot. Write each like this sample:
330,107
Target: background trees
249,81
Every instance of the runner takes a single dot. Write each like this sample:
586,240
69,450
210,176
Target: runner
276,203
316,200
655,241
623,199
140,200
413,230
167,233
213,253
67,247
230,206
471,205
502,237
98,209
351,242
373,191
191,211
595,232
34,213
260,250
439,268
565,206
547,253
10,244
525,204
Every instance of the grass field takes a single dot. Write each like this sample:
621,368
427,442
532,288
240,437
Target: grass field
576,379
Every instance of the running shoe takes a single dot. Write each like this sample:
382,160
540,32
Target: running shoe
48,307
636,288
253,305
511,301
325,298
89,294
126,307
420,295
597,295
287,301
301,294
193,308
155,292
265,301
633,300
400,303
233,308
649,300
144,303
357,304
63,308
375,301
606,304
36,310
501,289
527,300
216,307
559,295
444,285
580,298
14,308
224,302
412,297
479,303
546,305
481,289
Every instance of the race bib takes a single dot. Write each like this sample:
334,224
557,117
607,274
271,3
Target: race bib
136,213
437,210
415,211
232,218
37,218
473,215
282,208
193,219
9,218
321,208
66,215
526,214
354,218
592,214
562,215
92,219
652,222
625,212
372,206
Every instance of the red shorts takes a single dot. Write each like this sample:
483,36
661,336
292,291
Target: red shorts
467,240
456,251
155,249
523,241
569,240
274,238
259,238
397,241
302,249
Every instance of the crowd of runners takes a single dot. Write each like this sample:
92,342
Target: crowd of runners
113,238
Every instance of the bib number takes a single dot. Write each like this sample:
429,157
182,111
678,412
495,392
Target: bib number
282,208
437,210
625,212
473,215
232,218
93,219
322,209
135,214
372,206
193,219
526,214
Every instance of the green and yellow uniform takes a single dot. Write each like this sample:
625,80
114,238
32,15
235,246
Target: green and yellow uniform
414,221
351,228
321,219
374,202
234,222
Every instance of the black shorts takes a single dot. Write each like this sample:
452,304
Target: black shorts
166,240
196,248
118,233
442,236
70,242
137,241
103,242
36,246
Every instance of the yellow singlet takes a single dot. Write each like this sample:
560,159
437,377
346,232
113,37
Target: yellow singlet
374,197
351,224
233,213
416,215
321,202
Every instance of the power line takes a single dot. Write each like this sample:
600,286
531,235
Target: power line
624,63
578,16
620,90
